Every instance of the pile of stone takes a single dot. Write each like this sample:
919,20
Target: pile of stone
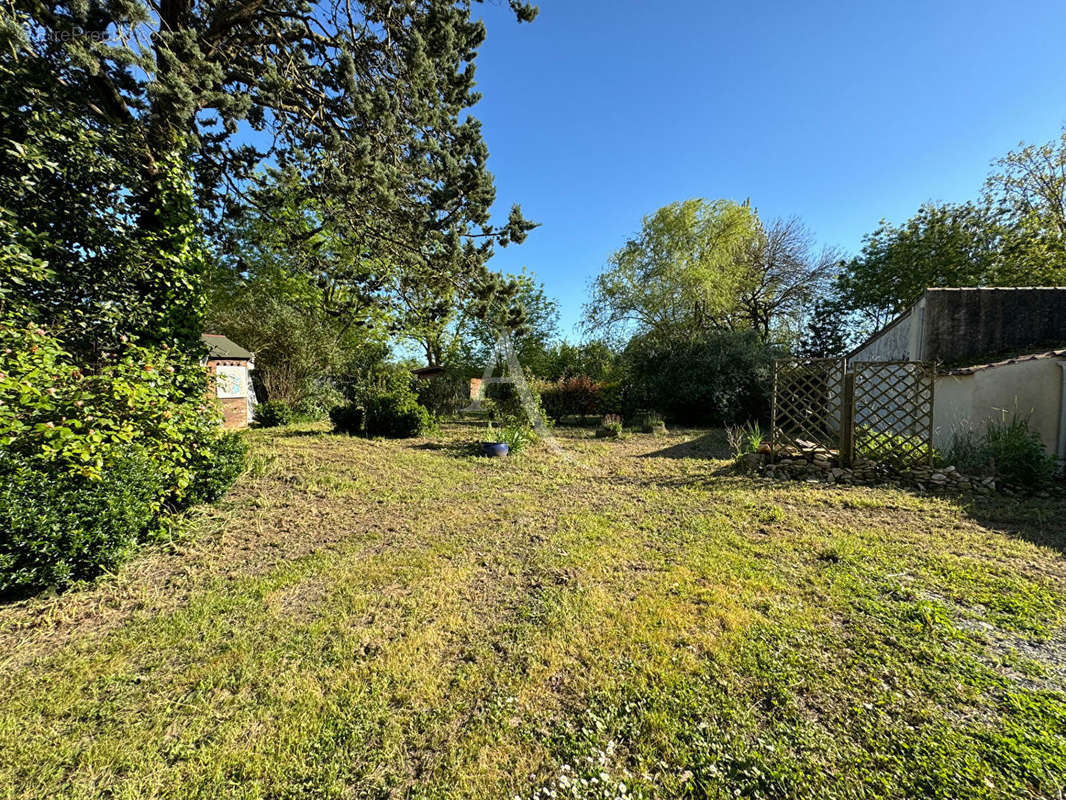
818,465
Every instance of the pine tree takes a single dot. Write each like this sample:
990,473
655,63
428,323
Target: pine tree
826,334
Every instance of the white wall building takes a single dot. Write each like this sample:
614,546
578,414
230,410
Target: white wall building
999,351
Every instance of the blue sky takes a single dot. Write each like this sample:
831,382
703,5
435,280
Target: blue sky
601,111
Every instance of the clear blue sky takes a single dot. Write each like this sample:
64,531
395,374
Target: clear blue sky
601,111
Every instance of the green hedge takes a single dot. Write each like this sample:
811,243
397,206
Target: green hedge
274,413
92,459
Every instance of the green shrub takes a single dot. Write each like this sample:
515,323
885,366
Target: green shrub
552,400
274,413
968,452
349,418
316,404
507,404
60,527
650,422
610,427
610,398
107,449
219,465
444,395
719,378
396,415
1008,449
518,436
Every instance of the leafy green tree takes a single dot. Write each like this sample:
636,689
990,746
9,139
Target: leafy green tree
595,359
681,273
67,187
826,334
941,245
303,304
700,266
363,106
1028,193
532,329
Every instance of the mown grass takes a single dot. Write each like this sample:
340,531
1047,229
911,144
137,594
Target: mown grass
370,619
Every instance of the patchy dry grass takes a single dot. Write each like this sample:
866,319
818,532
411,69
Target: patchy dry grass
369,619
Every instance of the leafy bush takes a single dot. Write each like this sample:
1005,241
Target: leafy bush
710,379
107,450
444,395
349,418
219,465
316,404
274,413
60,527
396,415
611,398
1008,449
517,436
651,422
552,400
1017,454
506,402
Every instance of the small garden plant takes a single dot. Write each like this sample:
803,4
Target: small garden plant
652,422
744,439
610,427
1008,449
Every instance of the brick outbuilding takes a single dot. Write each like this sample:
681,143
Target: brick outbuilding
229,372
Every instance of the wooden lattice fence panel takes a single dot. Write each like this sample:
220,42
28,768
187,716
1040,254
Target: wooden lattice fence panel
893,414
807,411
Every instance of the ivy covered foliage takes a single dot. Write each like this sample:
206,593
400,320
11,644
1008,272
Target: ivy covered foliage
105,427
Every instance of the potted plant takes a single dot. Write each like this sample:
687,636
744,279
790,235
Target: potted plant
494,447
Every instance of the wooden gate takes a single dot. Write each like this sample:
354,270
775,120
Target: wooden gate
807,412
879,410
892,410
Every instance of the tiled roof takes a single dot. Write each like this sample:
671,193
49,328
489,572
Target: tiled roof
1005,362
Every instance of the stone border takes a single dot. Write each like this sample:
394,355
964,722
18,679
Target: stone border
826,469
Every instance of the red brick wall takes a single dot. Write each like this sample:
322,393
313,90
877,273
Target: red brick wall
234,409
234,412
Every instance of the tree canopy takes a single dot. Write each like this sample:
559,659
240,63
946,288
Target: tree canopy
699,266
358,110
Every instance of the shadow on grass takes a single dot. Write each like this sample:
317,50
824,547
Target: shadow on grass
708,446
1039,520
294,432
453,448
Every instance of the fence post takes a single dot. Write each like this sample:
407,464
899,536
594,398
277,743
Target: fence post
773,417
930,371
847,419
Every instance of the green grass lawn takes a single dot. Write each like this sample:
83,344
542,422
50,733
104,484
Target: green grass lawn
376,619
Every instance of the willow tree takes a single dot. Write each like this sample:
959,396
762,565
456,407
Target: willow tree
681,274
